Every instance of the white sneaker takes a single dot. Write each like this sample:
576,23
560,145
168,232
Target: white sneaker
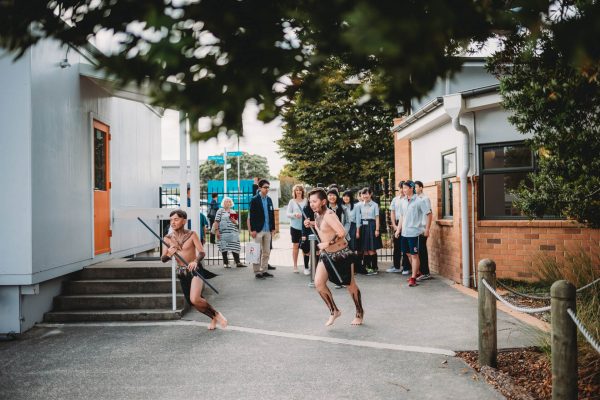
405,272
306,271
393,270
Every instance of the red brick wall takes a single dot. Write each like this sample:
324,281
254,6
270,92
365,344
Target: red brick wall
402,160
512,244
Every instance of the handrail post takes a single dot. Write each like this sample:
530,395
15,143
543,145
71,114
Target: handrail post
313,258
173,285
564,341
488,339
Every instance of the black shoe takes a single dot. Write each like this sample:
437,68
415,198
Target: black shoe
267,275
259,276
269,266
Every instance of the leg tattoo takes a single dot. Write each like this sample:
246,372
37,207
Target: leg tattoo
358,303
328,299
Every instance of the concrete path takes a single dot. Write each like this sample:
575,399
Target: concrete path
276,347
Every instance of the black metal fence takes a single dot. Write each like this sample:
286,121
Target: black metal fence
170,198
384,199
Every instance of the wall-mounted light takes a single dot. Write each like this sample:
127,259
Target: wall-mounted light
64,63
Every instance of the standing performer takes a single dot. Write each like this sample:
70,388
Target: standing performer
186,243
335,255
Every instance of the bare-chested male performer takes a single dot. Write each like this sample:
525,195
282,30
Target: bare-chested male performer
186,243
334,248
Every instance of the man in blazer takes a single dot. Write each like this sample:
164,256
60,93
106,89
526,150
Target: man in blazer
262,227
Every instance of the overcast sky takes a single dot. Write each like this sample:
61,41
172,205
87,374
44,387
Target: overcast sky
258,139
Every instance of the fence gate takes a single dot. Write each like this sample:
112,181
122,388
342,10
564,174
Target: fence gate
169,198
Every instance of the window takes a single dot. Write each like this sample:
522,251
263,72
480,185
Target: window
100,160
448,172
503,168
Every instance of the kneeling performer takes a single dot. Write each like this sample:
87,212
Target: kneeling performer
335,255
186,243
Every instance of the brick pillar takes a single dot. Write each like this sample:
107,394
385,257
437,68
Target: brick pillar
402,160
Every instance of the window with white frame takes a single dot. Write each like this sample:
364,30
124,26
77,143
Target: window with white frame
448,172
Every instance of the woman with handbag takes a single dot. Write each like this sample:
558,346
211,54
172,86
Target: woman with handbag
228,234
294,213
336,259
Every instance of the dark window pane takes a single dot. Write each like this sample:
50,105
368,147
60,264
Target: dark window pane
447,198
99,160
497,201
515,156
449,164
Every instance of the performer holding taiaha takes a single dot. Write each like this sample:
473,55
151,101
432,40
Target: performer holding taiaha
187,244
336,259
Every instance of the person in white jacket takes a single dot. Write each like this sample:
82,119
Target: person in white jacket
294,213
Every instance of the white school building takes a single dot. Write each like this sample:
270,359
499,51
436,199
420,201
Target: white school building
75,152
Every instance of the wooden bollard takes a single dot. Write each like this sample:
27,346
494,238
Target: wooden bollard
564,342
488,340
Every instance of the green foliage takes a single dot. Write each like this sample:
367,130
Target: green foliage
343,136
251,165
554,95
578,268
208,58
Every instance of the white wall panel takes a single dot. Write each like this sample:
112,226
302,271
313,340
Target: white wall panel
136,165
427,150
15,168
61,162
492,126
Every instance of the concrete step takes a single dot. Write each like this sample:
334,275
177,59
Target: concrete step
112,315
129,272
116,301
120,286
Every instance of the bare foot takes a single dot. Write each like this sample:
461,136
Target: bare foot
222,320
356,321
333,317
296,270
213,323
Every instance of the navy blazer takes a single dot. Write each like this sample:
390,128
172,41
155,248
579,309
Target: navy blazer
257,214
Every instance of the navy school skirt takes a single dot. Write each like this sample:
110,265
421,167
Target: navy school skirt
368,241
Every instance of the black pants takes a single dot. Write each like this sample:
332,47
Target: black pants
236,257
423,256
400,260
212,235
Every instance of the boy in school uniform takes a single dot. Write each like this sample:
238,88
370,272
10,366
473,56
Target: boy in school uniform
394,215
412,212
423,255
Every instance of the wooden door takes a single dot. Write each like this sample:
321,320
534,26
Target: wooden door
102,232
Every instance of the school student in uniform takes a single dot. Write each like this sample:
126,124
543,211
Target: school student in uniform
423,255
368,232
412,212
348,205
394,215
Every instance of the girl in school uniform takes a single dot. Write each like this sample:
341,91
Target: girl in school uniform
348,205
367,216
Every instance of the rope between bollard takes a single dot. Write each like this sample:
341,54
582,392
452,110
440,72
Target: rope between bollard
588,285
506,303
587,335
523,294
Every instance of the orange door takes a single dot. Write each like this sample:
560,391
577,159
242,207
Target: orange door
102,232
